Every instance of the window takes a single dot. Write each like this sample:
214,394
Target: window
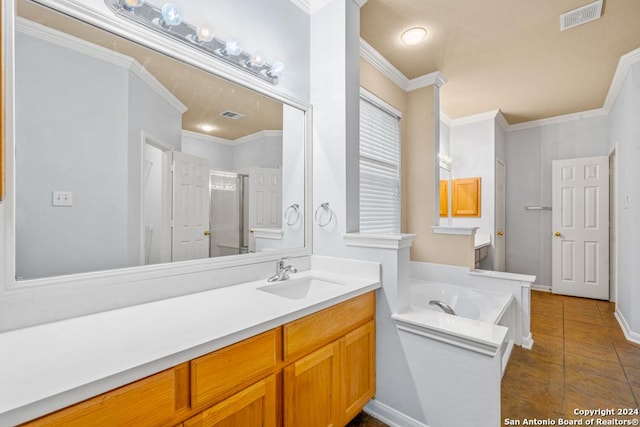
379,166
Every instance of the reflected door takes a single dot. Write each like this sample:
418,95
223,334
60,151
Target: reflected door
580,248
190,207
229,217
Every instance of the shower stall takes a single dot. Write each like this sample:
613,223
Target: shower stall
228,213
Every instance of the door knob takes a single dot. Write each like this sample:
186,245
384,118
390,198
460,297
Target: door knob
557,234
207,233
500,233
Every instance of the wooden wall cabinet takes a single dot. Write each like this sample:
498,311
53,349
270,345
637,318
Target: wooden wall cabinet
316,371
466,197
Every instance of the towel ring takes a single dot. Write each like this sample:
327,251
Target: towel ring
291,210
324,206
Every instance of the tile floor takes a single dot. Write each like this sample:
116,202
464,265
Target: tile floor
580,360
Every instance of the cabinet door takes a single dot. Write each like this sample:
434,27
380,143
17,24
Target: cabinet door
254,406
220,374
466,197
312,389
152,401
357,354
444,197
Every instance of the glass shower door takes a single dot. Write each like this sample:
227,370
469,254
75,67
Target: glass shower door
228,220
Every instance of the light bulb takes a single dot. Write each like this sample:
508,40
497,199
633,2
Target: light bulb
206,127
204,34
131,4
232,47
276,69
171,15
257,60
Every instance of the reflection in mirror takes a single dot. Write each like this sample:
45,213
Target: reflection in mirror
127,157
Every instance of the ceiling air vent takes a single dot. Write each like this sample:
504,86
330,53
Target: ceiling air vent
581,15
232,115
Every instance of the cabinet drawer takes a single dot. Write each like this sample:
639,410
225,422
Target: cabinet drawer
221,373
148,402
311,332
254,406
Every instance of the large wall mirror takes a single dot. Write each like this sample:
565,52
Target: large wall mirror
128,157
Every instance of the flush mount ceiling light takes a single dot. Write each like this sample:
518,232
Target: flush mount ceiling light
207,127
414,35
168,20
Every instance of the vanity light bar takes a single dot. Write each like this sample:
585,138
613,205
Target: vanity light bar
151,17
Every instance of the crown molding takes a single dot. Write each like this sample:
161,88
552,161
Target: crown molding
582,115
502,122
445,119
256,136
84,47
624,65
480,117
205,138
432,79
380,63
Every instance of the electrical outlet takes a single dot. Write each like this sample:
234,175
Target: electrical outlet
62,198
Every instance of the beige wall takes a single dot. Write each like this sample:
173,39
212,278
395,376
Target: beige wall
418,176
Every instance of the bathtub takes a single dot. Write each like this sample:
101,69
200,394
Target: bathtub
483,321
456,362
469,303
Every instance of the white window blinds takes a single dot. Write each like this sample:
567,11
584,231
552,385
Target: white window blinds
379,168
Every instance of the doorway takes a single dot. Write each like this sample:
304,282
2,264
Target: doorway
155,243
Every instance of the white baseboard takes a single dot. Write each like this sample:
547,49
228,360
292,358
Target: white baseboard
540,288
390,416
634,337
527,342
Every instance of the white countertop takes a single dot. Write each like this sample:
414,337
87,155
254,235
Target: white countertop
50,366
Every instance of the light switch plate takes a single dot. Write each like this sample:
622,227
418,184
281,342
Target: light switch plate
62,198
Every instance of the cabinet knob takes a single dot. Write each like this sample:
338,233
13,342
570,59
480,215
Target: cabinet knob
207,233
500,233
557,234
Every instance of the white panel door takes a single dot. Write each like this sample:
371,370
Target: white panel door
265,200
190,207
499,254
580,248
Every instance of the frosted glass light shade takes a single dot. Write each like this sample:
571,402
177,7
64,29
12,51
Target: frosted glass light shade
276,69
171,15
233,47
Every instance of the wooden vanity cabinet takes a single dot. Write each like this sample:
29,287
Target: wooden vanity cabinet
152,401
315,371
330,385
254,406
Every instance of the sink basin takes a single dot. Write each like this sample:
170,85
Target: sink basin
302,287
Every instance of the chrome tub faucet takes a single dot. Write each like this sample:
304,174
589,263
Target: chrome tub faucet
443,306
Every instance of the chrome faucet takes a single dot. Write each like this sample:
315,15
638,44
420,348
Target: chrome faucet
282,271
444,306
